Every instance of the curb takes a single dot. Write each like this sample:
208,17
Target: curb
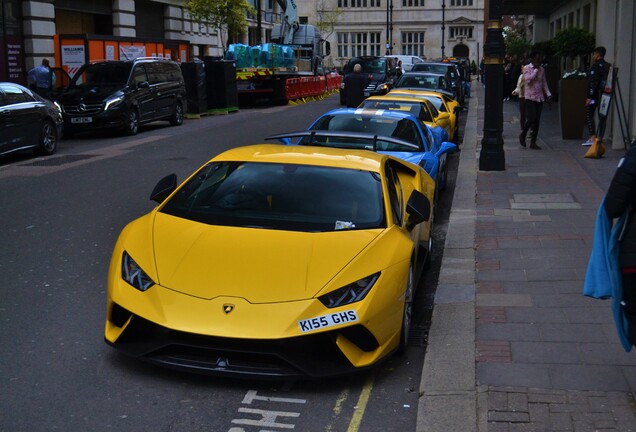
448,395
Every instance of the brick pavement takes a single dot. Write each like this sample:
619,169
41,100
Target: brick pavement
531,352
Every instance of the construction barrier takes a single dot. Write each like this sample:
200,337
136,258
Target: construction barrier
307,88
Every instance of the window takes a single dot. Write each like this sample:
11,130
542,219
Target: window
359,3
461,2
460,32
395,194
359,44
343,45
413,43
412,3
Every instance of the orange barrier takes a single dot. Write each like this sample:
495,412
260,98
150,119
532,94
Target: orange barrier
307,87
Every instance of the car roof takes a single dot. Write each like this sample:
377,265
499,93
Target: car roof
371,112
305,155
399,98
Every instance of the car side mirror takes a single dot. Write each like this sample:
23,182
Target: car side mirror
446,147
443,116
164,188
143,84
418,208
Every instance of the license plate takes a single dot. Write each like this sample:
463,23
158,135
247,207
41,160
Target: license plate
330,320
82,120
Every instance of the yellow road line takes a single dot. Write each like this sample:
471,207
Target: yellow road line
361,406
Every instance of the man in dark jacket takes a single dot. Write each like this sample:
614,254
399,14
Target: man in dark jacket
621,197
354,85
597,76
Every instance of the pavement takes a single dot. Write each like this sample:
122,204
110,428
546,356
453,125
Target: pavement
513,344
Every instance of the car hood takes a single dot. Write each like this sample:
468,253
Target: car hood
88,94
259,265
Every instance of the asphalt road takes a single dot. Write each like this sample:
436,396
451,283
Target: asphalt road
59,219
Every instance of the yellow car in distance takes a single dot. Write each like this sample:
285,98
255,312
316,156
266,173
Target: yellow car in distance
422,109
274,261
442,102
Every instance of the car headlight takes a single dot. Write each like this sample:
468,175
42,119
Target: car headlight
113,102
133,274
350,293
382,86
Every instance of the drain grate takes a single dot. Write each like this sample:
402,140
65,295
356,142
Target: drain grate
56,161
418,336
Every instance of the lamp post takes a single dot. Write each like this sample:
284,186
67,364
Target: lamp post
443,26
492,157
387,28
391,29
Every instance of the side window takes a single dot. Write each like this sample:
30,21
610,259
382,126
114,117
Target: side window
3,100
139,74
14,95
426,113
172,71
395,194
412,134
157,73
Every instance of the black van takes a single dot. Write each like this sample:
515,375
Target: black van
123,95
377,68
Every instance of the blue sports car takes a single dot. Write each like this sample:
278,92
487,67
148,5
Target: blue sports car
425,150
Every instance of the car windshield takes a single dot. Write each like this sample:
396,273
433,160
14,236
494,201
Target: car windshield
437,102
290,197
102,74
440,69
420,81
395,127
375,66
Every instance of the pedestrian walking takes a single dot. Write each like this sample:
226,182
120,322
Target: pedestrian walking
597,76
41,79
536,92
520,93
354,85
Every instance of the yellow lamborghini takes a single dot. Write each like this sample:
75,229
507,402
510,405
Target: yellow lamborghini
442,102
422,108
274,261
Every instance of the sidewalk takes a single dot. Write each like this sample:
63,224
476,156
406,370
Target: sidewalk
513,344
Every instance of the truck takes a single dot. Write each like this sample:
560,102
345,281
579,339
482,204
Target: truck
288,67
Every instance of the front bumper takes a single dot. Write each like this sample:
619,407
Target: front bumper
311,356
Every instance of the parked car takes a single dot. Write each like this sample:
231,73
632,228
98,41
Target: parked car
377,69
423,109
442,101
28,121
425,81
425,150
448,69
123,95
274,262
408,61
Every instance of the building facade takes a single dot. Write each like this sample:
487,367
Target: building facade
426,28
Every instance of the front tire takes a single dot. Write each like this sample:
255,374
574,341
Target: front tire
132,122
48,139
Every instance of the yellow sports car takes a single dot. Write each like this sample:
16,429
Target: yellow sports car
420,108
274,261
442,102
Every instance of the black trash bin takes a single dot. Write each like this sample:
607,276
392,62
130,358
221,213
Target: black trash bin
222,94
195,83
